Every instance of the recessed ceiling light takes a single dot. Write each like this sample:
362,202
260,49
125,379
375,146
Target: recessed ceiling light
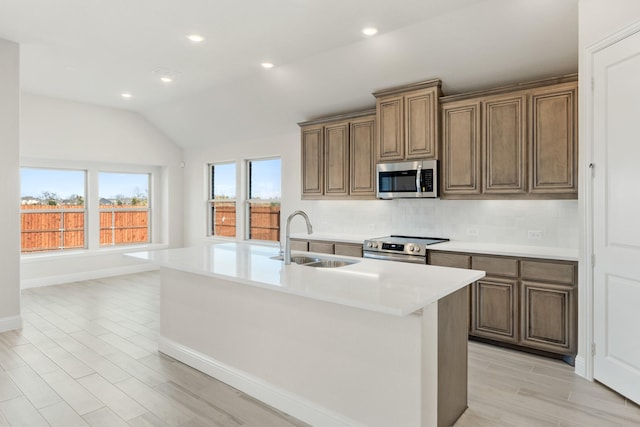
166,79
370,31
267,65
196,38
126,95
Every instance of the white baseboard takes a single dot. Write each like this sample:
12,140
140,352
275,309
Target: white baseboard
283,400
85,275
10,323
580,367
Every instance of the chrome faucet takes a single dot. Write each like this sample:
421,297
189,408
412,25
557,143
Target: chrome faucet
287,238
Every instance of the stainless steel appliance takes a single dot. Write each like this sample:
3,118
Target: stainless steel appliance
400,248
417,179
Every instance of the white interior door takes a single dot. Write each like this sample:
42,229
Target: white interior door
616,215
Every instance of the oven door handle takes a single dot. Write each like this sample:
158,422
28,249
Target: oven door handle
414,259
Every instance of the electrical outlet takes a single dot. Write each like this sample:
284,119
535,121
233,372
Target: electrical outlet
473,231
534,235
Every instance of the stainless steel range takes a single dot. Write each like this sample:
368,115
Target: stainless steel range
400,248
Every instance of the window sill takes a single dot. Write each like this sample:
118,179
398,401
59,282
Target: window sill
82,253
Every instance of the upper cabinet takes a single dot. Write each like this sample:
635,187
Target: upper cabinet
511,142
554,151
407,119
338,156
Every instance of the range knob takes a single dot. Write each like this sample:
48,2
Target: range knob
411,248
369,244
417,248
375,245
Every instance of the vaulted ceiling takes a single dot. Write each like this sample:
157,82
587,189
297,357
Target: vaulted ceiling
93,50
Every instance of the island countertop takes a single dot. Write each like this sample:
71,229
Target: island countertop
394,288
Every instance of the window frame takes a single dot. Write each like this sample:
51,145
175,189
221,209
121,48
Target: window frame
248,201
62,211
211,201
157,220
114,209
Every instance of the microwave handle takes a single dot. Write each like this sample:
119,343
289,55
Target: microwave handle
419,179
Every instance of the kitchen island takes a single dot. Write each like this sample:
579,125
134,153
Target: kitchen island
372,343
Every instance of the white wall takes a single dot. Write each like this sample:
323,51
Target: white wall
597,21
59,130
9,187
496,221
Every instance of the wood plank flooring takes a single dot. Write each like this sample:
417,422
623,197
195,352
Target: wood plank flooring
87,356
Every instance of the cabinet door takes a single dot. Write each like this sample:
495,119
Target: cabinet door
362,146
461,148
553,117
336,159
495,309
504,144
421,125
390,128
548,317
312,161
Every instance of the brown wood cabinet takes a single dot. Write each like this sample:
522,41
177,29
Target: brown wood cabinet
338,156
494,309
312,161
517,142
327,247
336,159
407,119
460,167
554,148
504,144
529,303
362,134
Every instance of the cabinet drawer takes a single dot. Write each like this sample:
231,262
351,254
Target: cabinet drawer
560,272
348,250
299,245
321,247
449,260
495,266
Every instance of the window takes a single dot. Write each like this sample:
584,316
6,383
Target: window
263,199
124,208
52,209
222,200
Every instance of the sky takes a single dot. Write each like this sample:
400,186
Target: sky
266,182
65,183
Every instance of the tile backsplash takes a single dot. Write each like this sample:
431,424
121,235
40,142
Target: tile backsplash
523,222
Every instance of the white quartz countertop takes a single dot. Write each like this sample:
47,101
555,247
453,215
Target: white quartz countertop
525,251
564,254
389,287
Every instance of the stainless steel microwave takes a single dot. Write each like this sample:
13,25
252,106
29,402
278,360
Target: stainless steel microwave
409,180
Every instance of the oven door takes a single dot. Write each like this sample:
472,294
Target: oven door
414,259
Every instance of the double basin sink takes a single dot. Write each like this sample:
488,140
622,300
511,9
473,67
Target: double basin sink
310,261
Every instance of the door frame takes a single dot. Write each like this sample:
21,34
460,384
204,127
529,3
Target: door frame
586,344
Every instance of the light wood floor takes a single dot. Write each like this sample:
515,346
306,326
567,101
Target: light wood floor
87,356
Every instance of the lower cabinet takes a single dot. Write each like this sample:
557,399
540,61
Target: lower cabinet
327,247
548,317
529,303
494,309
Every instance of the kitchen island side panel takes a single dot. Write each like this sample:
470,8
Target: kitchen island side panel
366,366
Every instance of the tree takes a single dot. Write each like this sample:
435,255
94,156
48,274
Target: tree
50,198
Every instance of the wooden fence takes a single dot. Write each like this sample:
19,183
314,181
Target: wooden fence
264,221
63,228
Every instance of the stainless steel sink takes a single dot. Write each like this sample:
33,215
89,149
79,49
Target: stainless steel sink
298,259
315,261
330,263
